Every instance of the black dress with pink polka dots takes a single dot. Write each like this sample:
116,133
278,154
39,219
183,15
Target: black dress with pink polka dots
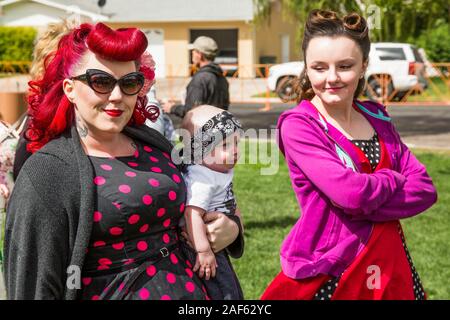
134,248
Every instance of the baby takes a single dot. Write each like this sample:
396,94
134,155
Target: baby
214,150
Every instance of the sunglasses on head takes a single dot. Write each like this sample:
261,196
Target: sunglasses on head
102,82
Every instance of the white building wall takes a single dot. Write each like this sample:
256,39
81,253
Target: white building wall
34,14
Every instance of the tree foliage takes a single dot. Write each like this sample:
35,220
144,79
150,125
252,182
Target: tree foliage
390,20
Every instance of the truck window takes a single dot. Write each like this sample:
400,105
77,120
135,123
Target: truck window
391,54
417,56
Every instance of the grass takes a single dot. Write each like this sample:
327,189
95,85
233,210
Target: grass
264,95
270,209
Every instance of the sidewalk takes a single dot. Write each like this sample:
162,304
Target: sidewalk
434,141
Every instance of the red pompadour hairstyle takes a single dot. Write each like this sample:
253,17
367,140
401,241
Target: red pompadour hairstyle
51,113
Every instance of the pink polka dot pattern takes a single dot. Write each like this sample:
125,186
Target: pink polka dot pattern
104,261
172,165
124,188
166,238
156,169
118,246
165,154
116,231
99,244
189,272
104,264
161,212
142,246
171,278
133,164
151,271
117,205
130,174
97,216
176,178
148,149
166,297
173,258
144,294
134,219
147,200
166,223
99,181
153,159
190,287
95,298
144,228
86,281
136,154
182,207
106,167
172,195
153,182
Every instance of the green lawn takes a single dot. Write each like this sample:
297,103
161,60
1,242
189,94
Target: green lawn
269,209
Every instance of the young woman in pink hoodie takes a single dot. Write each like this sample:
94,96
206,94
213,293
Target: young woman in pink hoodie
353,177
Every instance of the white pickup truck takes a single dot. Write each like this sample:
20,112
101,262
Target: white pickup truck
394,70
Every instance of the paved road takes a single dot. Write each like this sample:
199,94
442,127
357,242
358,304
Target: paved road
419,126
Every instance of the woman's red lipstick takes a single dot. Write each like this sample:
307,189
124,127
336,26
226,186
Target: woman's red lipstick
114,113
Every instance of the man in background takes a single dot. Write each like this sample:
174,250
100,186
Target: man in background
208,85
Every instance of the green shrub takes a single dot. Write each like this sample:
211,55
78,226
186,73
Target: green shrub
16,43
436,43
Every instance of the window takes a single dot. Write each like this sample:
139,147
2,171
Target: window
391,54
417,56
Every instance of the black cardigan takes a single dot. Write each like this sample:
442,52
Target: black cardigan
49,218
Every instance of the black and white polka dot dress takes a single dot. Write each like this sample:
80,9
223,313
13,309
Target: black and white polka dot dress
419,292
371,149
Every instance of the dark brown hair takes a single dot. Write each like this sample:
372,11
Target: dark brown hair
321,23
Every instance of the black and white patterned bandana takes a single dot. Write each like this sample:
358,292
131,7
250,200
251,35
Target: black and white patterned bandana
212,133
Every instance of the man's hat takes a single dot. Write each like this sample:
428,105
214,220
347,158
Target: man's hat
205,45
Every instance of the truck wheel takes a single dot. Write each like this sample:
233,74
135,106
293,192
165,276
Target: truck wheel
400,95
374,90
285,89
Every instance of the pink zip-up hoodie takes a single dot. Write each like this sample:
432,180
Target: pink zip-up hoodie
340,204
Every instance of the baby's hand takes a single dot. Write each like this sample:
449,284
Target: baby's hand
206,264
4,191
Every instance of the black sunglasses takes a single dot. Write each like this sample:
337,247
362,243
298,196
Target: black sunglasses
102,82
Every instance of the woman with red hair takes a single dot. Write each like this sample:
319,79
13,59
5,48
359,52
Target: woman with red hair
95,211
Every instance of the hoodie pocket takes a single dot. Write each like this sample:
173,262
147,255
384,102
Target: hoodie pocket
331,233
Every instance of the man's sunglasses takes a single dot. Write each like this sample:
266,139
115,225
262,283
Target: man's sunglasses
102,82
